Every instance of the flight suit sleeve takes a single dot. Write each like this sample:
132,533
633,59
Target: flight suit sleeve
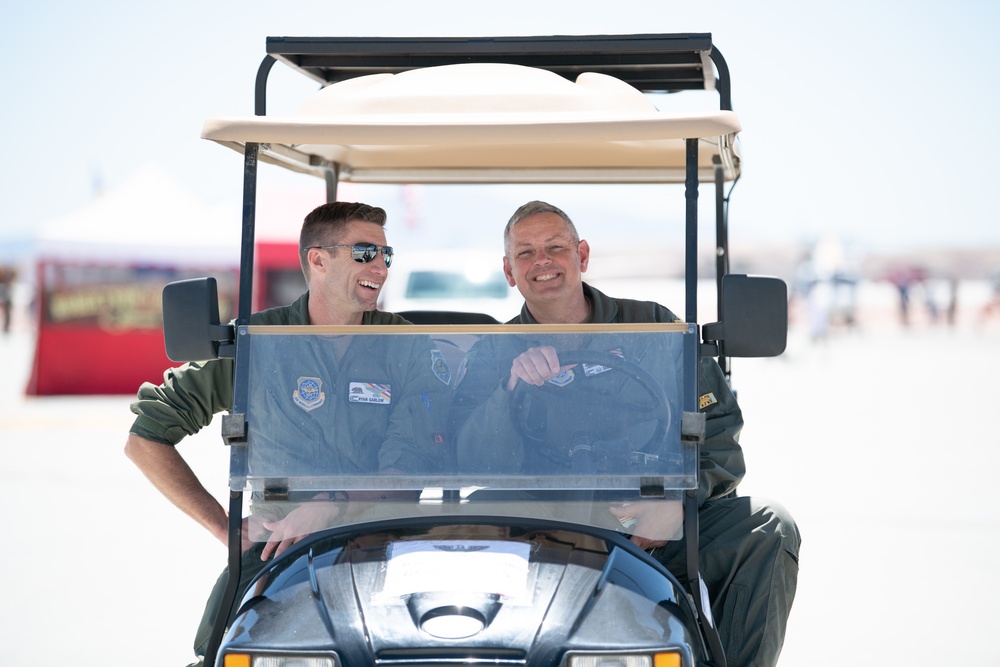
185,402
721,466
415,437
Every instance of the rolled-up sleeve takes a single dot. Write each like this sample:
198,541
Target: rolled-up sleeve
186,401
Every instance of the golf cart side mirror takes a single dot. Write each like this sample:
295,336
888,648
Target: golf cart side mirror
753,317
191,329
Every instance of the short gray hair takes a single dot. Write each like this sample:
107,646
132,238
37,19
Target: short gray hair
531,208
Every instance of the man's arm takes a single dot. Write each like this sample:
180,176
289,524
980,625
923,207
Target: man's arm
722,466
480,414
170,474
186,402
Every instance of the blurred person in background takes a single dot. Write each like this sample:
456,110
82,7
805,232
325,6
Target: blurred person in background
7,277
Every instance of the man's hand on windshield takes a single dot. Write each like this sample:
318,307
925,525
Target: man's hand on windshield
656,521
536,366
302,521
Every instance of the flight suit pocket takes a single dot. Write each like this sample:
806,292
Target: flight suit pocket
732,631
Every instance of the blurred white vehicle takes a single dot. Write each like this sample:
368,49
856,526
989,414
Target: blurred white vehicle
457,280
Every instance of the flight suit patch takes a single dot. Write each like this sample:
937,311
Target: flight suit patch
590,370
563,379
706,400
440,367
308,394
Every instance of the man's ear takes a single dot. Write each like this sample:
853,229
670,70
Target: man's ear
508,273
314,258
584,251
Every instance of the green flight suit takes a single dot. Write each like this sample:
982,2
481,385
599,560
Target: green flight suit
398,431
748,549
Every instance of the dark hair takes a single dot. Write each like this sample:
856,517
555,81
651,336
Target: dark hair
531,208
325,224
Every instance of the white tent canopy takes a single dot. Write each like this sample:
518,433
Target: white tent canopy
487,122
148,219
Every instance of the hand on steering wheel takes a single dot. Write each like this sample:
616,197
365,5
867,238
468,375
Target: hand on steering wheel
536,366
546,413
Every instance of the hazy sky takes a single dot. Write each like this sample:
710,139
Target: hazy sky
864,119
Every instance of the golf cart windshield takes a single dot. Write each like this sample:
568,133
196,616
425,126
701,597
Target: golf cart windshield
380,422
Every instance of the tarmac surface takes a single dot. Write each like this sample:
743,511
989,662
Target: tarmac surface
881,441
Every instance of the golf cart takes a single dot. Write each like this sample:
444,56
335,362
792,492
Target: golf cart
512,548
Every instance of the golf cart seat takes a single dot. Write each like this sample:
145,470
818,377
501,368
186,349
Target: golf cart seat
446,317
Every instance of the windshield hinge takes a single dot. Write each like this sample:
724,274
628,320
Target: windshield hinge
276,489
652,487
234,428
693,428
710,349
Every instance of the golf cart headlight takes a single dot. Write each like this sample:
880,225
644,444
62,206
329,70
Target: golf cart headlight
245,660
292,661
664,659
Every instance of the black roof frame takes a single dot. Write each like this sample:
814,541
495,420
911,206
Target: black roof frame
648,62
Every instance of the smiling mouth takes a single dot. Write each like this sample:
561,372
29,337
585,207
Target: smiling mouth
369,284
544,277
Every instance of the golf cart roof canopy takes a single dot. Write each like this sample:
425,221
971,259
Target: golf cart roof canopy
529,110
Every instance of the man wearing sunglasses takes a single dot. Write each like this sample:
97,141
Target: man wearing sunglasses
748,548
345,260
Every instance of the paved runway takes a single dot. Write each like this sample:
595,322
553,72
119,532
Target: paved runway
883,444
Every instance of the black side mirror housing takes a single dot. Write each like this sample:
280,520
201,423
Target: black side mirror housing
753,317
191,329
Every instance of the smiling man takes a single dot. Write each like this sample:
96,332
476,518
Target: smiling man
748,547
545,259
345,260
344,292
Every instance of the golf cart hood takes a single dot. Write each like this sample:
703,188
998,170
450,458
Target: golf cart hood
497,595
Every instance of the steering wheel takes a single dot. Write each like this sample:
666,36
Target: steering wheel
545,421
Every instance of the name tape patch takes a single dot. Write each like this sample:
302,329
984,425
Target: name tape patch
369,392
